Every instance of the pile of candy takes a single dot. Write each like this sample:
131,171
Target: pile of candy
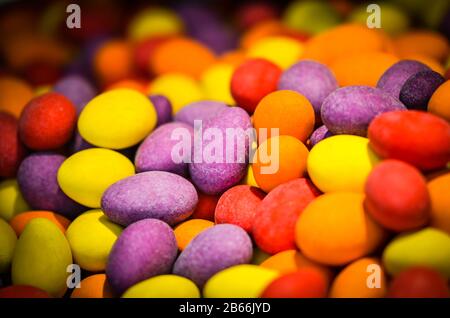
354,201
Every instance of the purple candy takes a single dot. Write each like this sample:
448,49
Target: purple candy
395,77
163,109
418,89
311,79
144,249
155,152
39,186
349,110
213,250
212,173
154,194
319,134
77,89
78,143
199,111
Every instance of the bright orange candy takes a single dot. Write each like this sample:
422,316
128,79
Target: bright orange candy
114,61
278,160
138,85
439,103
95,286
186,231
286,110
19,222
355,280
234,58
182,55
362,69
439,189
14,95
428,43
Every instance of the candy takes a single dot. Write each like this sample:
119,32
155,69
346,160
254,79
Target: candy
351,109
241,281
216,81
155,21
201,111
20,291
153,194
14,95
37,178
94,286
438,189
47,122
163,286
113,61
286,110
20,221
188,230
287,161
318,135
249,178
106,122
253,80
77,89
8,241
163,109
238,206
428,43
364,278
341,163
11,200
85,175
418,89
11,149
156,151
43,245
280,50
206,255
334,229
157,249
399,135
311,79
428,247
91,237
438,102
206,207
397,196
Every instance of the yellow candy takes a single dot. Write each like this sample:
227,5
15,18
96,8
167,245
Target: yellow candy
250,178
240,281
282,51
117,119
85,175
91,237
7,244
216,83
41,258
163,286
154,22
427,247
178,88
11,200
341,163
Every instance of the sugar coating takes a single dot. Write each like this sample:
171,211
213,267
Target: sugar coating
77,89
144,249
79,143
319,134
311,79
154,194
213,250
349,110
199,111
214,178
418,89
395,77
155,152
39,186
163,109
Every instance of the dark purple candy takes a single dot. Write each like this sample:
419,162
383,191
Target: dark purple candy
418,89
163,109
77,89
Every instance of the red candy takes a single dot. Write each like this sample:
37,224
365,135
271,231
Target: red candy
238,206
274,228
21,291
253,80
307,282
206,207
47,122
397,196
419,282
419,138
11,149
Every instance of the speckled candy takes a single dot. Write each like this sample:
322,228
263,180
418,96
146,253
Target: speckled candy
77,89
418,89
163,109
11,149
144,249
199,111
318,135
153,194
349,110
207,254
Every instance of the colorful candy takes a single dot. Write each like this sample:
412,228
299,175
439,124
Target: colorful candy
94,286
12,202
185,232
440,202
20,221
8,241
438,102
163,286
418,89
12,150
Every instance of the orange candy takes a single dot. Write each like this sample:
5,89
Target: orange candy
234,58
287,110
137,85
181,55
14,95
186,231
278,160
95,286
19,222
114,61
439,103
439,189
352,281
428,43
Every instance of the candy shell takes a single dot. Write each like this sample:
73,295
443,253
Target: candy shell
22,291
14,95
216,83
8,241
113,61
163,286
318,135
418,89
20,221
188,230
163,109
280,50
77,89
11,200
438,189
94,286
206,207
12,150
438,102
201,111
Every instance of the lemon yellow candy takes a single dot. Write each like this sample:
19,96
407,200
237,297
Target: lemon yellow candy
154,22
427,247
341,163
11,200
117,119
41,258
7,244
163,286
91,237
250,178
240,281
180,89
216,81
281,51
85,175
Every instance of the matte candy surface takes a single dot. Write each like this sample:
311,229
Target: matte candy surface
8,241
12,150
94,286
163,286
11,200
438,103
438,189
185,232
20,221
